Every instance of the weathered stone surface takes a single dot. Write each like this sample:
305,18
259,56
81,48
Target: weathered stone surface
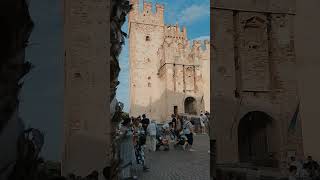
86,87
254,70
307,41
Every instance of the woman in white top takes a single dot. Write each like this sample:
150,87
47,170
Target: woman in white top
152,136
127,154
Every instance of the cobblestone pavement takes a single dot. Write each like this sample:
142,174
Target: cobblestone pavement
177,164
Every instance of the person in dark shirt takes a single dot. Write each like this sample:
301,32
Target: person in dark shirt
174,125
174,121
312,164
145,122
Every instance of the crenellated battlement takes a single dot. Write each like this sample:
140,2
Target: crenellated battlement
146,16
196,43
147,6
159,8
204,44
173,31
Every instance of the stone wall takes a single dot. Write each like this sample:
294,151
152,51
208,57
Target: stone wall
145,33
253,70
307,42
87,129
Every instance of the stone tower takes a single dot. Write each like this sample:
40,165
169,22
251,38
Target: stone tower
146,36
167,74
87,124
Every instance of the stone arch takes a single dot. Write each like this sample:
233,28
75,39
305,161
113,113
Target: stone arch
250,105
190,105
255,138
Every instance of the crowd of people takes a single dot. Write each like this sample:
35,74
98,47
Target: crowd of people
308,170
140,134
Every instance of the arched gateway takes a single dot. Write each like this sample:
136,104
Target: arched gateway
190,105
254,138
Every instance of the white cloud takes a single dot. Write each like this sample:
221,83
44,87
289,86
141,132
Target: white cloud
202,38
194,13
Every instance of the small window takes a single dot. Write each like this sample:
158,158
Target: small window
149,84
236,94
147,38
175,110
77,75
149,77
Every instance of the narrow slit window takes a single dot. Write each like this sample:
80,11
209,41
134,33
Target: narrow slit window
147,38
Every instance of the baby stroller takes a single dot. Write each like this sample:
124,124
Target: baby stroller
162,141
181,140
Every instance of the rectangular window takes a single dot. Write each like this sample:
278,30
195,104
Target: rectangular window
175,110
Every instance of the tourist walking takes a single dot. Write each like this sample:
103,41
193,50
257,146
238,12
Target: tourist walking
140,146
167,129
136,126
179,123
202,123
152,136
188,132
305,173
207,123
297,164
174,126
145,122
311,163
127,154
311,168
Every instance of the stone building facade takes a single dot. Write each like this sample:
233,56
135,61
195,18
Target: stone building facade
253,70
168,74
87,122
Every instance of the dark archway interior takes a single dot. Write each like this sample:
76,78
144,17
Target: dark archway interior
253,138
190,105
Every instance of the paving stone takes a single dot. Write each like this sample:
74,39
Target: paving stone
178,164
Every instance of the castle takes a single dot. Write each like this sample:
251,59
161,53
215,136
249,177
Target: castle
168,74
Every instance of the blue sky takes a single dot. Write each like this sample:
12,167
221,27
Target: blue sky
194,14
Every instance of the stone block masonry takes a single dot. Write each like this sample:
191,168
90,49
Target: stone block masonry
87,138
254,81
166,70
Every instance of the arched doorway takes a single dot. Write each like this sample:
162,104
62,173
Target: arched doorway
253,138
190,105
